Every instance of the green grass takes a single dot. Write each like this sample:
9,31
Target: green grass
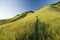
43,24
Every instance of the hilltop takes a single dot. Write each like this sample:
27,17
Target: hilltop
43,24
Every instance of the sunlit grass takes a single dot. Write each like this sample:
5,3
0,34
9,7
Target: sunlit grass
43,24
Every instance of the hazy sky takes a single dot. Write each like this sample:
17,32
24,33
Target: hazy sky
10,8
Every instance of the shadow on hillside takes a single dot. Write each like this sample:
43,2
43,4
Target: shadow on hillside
40,32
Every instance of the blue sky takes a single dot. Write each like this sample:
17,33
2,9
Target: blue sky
10,8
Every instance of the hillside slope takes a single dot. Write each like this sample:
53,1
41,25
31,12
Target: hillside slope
15,18
43,24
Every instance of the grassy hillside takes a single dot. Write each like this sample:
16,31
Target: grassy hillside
15,18
43,24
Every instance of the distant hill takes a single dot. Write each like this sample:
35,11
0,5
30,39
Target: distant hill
43,24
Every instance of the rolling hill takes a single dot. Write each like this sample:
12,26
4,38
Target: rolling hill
43,24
